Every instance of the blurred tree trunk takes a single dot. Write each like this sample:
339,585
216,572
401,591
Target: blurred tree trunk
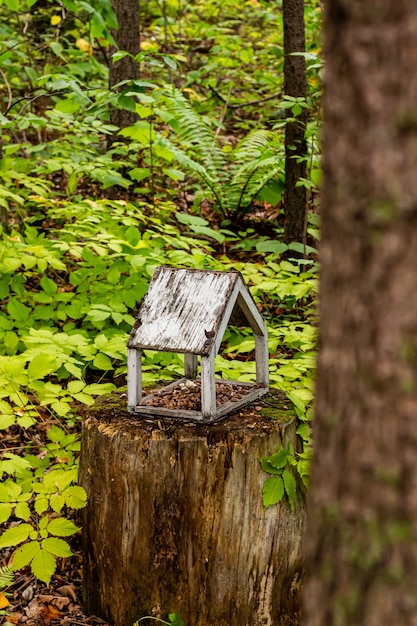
127,39
295,84
362,546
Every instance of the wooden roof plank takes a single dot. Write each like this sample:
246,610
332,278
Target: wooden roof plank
180,307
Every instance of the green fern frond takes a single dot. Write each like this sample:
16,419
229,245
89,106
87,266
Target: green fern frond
249,179
252,146
185,161
194,133
6,576
233,184
257,182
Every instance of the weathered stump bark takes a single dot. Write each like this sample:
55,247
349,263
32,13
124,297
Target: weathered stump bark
175,522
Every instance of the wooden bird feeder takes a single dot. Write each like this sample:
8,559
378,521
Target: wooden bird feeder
187,311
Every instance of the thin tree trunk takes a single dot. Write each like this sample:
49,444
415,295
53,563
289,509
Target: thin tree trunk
295,84
127,39
362,547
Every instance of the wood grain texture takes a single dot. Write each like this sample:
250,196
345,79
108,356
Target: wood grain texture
188,310
175,521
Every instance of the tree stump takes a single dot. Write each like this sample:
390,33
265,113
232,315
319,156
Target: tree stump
175,521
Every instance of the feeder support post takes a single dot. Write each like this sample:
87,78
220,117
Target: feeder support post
208,387
262,359
190,365
134,379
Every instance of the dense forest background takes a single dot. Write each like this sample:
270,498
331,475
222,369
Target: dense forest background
111,164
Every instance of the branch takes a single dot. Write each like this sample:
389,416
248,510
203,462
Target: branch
243,104
30,100
9,90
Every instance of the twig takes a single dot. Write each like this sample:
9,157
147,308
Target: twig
9,90
223,115
30,100
253,102
8,48
244,104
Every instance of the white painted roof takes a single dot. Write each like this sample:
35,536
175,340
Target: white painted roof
183,310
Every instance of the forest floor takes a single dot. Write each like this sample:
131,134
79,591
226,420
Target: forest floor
31,602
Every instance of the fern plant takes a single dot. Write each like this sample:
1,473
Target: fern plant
6,576
6,580
233,179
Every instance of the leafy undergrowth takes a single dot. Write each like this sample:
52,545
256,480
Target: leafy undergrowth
70,289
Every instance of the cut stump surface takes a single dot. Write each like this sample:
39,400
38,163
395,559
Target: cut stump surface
175,522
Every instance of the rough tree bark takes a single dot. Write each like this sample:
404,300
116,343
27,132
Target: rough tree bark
127,39
363,532
175,522
295,84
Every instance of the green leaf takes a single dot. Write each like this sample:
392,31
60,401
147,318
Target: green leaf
5,511
274,463
99,389
56,48
139,173
272,491
25,421
14,536
174,174
169,61
84,398
62,527
41,365
301,248
6,421
299,405
75,497
117,56
67,105
43,566
57,502
25,554
55,433
41,504
12,4
272,246
102,362
290,485
22,511
14,465
56,546
75,386
304,430
191,220
48,285
17,311
175,619
62,408
209,232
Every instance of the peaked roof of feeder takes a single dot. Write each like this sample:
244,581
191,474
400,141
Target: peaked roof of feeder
188,310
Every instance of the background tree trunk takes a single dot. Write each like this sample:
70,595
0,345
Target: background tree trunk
363,531
295,84
127,39
175,521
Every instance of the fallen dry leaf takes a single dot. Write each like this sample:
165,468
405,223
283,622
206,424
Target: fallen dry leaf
3,601
32,610
68,591
49,612
45,598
